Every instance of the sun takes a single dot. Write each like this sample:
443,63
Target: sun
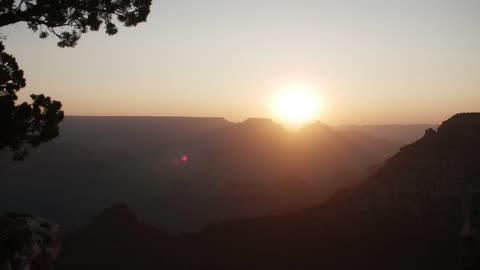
296,104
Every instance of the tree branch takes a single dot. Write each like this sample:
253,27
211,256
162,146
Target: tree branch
8,18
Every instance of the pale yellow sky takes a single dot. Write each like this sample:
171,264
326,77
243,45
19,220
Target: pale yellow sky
370,61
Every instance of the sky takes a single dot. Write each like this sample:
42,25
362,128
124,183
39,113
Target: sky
370,61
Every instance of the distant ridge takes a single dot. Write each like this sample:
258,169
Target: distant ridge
258,119
408,215
146,116
397,133
159,164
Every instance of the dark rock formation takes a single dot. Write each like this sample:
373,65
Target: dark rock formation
102,160
408,215
411,214
28,242
115,240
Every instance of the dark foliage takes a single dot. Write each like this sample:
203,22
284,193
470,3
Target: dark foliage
25,124
69,19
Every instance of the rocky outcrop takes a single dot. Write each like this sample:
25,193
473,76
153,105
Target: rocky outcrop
115,240
28,243
413,213
409,215
461,125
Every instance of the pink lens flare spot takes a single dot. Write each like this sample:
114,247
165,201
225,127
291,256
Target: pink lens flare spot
184,159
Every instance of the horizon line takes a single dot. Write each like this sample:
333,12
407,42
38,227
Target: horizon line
245,119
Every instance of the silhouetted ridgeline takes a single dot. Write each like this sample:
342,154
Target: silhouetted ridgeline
403,134
408,215
130,132
116,240
183,173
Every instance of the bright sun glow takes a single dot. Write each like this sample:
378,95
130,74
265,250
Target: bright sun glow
296,104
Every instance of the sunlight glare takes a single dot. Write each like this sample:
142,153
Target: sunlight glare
296,104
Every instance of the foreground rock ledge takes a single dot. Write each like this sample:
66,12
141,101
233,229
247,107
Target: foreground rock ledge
28,242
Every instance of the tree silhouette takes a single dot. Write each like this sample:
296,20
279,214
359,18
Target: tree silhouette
73,17
31,124
24,124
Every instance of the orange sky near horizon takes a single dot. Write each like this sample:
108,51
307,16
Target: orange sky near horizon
370,61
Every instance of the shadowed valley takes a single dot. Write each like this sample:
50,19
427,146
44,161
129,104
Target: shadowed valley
184,173
408,214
